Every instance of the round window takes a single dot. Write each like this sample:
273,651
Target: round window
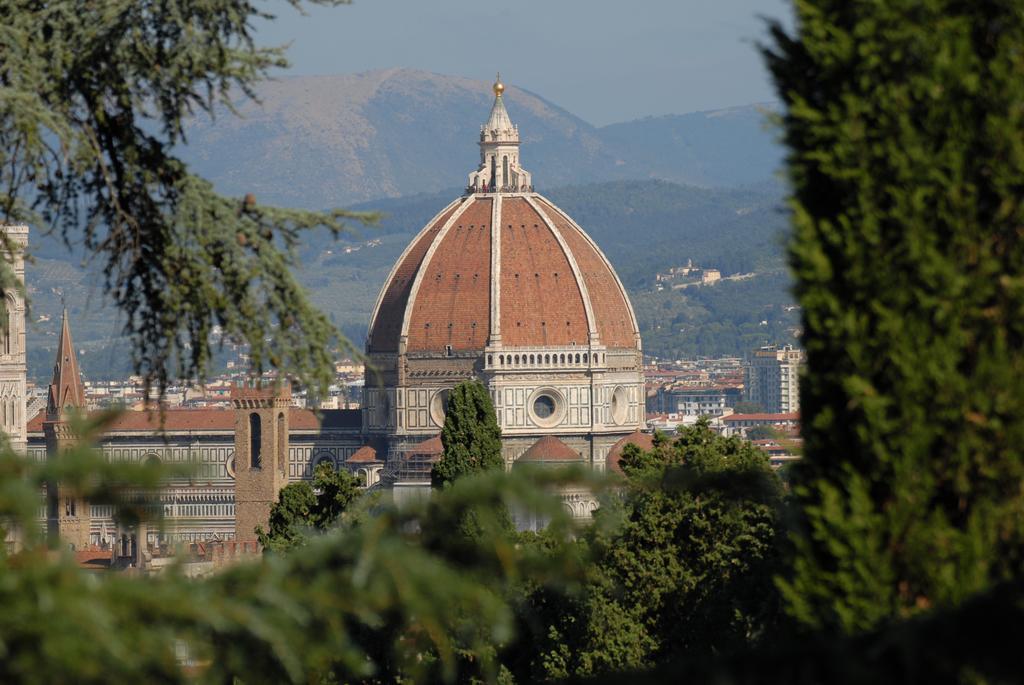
439,406
544,406
619,406
229,465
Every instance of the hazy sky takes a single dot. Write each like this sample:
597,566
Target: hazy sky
603,60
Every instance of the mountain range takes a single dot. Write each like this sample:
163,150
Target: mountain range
326,141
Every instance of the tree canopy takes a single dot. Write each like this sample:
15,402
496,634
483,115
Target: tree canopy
680,562
94,102
470,436
305,506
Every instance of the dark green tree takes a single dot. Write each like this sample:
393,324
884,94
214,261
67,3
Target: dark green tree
763,433
904,122
94,100
305,507
470,436
680,566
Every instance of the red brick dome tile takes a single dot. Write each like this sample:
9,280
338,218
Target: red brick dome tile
512,264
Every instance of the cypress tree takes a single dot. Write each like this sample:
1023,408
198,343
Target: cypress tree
905,125
471,436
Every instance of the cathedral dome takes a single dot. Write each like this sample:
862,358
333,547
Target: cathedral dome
501,265
504,288
510,267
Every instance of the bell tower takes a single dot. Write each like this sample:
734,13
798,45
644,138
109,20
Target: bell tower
12,342
261,453
67,518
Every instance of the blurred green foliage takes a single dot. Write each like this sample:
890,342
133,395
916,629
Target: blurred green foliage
370,599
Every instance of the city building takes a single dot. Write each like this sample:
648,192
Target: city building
501,286
201,504
772,378
740,424
694,401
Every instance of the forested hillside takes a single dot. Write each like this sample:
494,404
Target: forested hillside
323,141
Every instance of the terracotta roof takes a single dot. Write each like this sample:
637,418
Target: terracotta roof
791,416
96,559
644,441
552,279
549,449
216,419
35,424
452,304
386,324
612,311
363,455
430,447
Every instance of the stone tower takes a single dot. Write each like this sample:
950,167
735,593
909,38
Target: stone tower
68,518
12,343
261,454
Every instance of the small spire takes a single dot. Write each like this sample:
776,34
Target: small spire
66,389
499,126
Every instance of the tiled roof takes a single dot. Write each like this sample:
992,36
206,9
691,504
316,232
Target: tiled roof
790,416
607,297
215,419
549,449
363,455
96,559
35,424
427,447
644,441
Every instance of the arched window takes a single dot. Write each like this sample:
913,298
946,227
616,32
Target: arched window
584,357
282,442
577,359
7,312
547,358
517,359
494,171
531,359
504,165
562,359
255,442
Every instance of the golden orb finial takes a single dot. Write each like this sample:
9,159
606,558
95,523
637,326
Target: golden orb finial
499,87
